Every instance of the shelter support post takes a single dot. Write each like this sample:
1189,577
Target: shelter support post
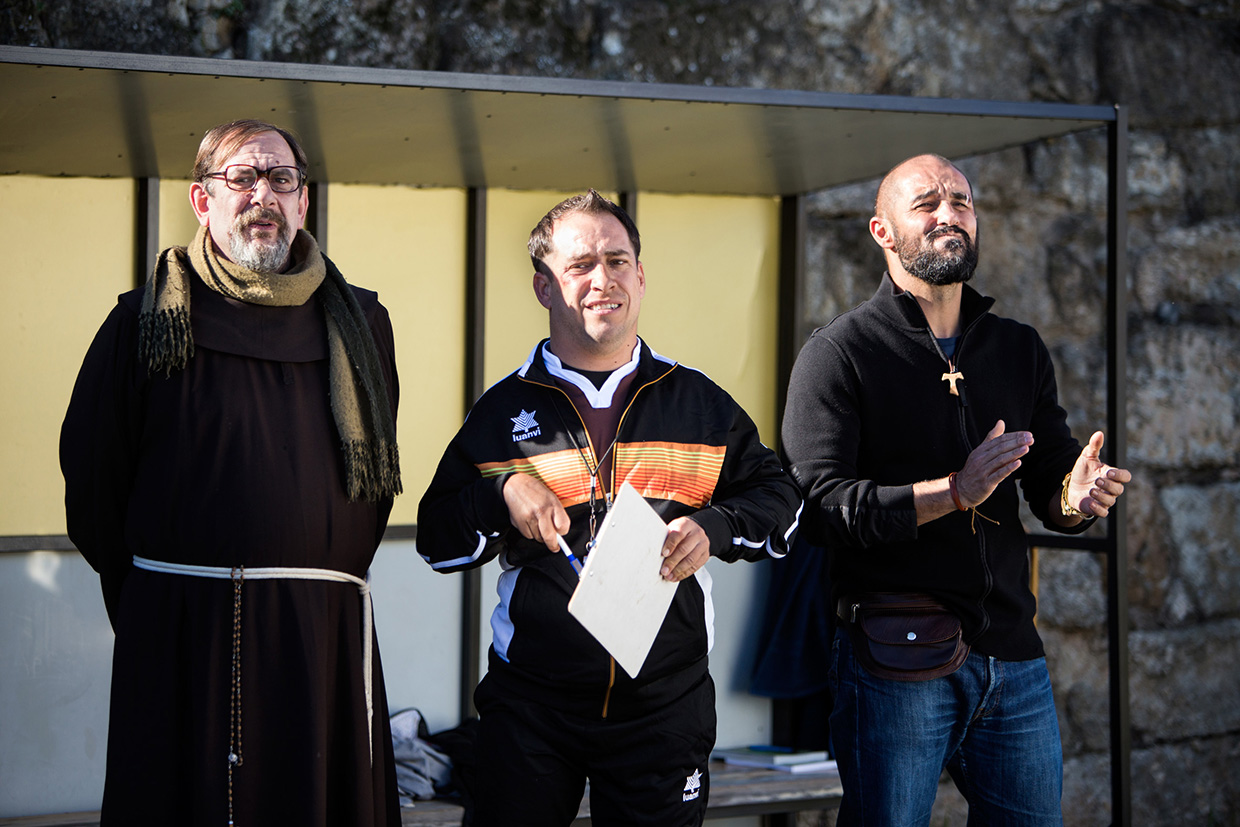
791,294
628,203
146,226
316,219
1117,449
475,341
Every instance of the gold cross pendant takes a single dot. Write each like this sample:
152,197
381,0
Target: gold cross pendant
951,378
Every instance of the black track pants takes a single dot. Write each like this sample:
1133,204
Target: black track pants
533,762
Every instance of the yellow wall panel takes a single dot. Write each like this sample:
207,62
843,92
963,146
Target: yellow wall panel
515,321
712,292
177,223
68,246
409,245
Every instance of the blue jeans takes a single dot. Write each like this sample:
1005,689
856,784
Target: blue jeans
991,724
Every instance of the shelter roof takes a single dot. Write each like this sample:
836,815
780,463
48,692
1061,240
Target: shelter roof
105,114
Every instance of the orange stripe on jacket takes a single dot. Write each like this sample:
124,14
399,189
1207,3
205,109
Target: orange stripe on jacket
564,472
684,472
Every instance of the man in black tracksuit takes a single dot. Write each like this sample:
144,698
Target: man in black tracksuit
909,422
539,458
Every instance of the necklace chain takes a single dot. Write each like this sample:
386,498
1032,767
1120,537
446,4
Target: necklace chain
596,481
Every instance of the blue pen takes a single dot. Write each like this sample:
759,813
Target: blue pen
568,552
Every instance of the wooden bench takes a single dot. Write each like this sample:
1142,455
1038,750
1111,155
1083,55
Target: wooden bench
734,792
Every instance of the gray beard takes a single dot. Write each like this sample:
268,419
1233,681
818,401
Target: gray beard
256,255
259,256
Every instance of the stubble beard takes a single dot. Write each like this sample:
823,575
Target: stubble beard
603,338
922,260
258,254
594,337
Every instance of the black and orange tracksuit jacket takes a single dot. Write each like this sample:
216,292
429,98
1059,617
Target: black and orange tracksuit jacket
682,442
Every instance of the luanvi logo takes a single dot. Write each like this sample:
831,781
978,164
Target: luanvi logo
693,786
524,426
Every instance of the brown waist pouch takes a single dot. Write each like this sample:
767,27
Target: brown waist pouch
903,636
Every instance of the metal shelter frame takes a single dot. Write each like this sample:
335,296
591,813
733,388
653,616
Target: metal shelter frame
95,114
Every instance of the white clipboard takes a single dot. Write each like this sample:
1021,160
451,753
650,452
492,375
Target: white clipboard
622,599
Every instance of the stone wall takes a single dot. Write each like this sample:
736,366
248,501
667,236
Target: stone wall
1174,63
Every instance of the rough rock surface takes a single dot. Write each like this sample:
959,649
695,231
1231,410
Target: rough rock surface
1174,63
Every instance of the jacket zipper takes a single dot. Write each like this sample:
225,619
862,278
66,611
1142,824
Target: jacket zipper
615,461
987,578
611,681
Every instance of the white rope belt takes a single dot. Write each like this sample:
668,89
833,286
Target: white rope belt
291,573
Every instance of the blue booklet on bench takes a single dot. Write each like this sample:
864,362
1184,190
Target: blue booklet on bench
775,758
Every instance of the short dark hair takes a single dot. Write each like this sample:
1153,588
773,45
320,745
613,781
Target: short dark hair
222,141
589,202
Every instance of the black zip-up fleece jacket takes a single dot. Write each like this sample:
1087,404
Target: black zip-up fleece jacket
682,442
869,415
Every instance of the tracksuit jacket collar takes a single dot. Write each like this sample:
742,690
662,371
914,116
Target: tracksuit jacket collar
650,367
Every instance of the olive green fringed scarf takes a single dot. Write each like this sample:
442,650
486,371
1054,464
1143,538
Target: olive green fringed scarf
359,398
